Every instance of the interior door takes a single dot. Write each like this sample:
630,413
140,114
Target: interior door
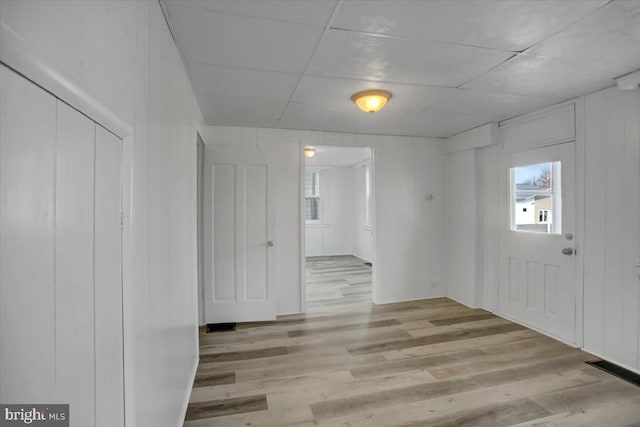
537,211
240,286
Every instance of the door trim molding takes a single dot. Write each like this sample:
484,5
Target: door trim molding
580,163
515,134
37,66
302,226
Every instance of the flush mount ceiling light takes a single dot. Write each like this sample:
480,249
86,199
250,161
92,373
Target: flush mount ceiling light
309,152
372,100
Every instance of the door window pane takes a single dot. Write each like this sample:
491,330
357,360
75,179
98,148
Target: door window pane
536,202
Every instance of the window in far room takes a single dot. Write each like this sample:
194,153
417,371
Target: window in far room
312,196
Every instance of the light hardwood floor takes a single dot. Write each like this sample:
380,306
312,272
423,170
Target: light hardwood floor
336,283
419,363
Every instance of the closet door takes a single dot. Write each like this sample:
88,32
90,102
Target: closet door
27,219
61,338
108,281
74,291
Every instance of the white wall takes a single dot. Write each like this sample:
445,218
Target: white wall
612,226
462,225
362,244
341,230
471,189
409,235
488,191
333,234
117,62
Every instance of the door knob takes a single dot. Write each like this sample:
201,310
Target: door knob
567,251
270,244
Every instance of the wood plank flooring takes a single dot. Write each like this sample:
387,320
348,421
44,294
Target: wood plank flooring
337,283
419,363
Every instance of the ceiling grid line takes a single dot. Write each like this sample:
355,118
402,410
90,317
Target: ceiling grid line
327,27
450,66
568,26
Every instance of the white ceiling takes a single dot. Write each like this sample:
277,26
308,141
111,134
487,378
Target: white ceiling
450,65
338,156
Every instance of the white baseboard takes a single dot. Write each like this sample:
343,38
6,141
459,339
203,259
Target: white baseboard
519,322
462,302
410,299
340,254
289,314
533,328
362,258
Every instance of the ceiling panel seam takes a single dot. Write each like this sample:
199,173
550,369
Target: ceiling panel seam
326,29
489,70
240,67
246,15
396,37
596,10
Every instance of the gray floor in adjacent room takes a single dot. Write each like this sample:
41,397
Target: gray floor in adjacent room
337,283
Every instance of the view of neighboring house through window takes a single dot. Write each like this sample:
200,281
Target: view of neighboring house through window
367,195
312,196
536,198
543,216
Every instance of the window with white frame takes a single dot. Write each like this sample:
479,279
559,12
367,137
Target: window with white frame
536,200
367,195
312,196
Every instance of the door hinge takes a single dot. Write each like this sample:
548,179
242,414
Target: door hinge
122,220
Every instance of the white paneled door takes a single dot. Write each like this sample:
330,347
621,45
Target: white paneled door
60,257
537,217
27,241
239,279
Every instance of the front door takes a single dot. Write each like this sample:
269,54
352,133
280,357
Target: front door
537,284
239,283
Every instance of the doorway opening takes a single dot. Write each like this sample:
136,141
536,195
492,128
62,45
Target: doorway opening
339,228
